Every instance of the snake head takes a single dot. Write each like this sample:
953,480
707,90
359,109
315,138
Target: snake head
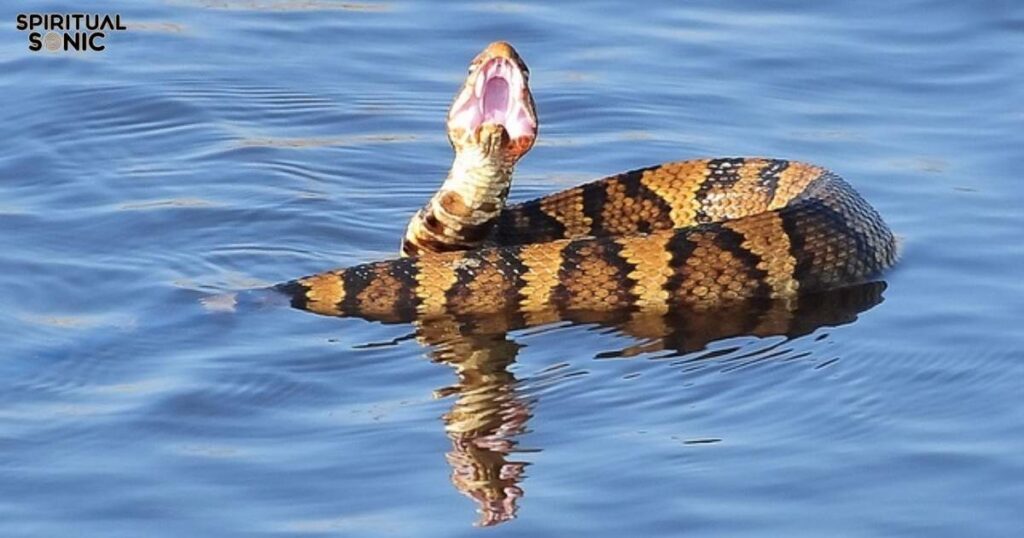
494,111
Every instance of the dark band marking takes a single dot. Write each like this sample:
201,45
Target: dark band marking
732,242
583,279
663,209
513,267
571,257
433,245
595,197
461,290
354,281
296,291
611,253
770,176
485,282
409,248
431,223
473,234
624,205
681,248
723,174
796,224
527,223
404,272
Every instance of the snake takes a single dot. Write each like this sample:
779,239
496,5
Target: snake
699,234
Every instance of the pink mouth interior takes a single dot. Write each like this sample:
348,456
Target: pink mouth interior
495,101
496,97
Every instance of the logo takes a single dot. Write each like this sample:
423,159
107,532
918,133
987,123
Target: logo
68,31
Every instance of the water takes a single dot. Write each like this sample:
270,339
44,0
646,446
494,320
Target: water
227,144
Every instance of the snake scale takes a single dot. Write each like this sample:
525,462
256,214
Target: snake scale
697,234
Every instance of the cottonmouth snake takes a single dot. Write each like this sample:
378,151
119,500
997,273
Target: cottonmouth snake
698,234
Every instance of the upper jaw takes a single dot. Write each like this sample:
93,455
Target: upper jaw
496,92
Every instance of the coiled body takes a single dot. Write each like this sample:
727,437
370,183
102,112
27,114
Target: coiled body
698,234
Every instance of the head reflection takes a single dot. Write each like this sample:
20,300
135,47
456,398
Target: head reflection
485,418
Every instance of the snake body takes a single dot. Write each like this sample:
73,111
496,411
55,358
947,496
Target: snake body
697,234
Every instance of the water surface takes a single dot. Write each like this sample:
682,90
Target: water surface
226,144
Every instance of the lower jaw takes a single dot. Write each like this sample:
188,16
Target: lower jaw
518,147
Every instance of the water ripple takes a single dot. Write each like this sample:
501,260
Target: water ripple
225,145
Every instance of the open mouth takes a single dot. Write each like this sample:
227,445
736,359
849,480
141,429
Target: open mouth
495,96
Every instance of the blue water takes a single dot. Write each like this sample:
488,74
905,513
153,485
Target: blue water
219,145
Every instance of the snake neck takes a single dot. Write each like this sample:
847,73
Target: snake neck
462,212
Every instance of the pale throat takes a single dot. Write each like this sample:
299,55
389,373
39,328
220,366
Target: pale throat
481,181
